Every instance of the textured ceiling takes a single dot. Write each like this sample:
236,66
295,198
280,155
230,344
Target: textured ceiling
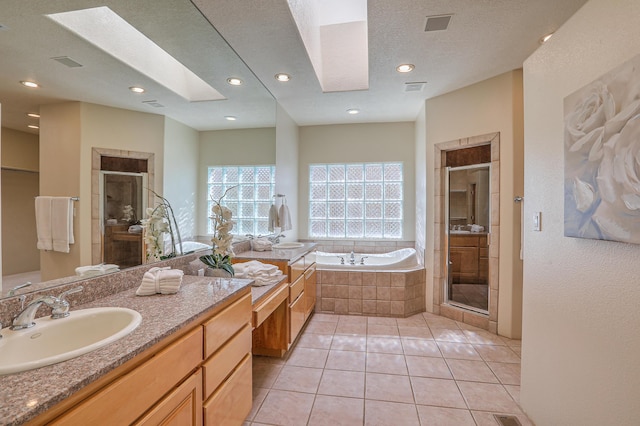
485,38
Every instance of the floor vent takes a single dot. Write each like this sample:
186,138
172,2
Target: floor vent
504,420
437,23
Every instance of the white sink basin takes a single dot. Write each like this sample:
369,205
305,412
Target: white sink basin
287,245
51,341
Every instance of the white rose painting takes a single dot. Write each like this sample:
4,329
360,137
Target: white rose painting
602,157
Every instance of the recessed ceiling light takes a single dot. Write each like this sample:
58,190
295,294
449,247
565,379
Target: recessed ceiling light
283,77
546,38
405,68
234,81
353,111
33,115
33,126
230,118
30,84
136,89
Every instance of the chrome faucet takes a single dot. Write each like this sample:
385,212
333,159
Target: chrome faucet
362,258
275,238
59,309
352,258
12,292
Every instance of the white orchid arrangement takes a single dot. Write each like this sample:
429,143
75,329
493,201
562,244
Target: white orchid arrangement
158,223
222,239
129,214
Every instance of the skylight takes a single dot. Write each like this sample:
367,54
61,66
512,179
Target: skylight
335,36
106,30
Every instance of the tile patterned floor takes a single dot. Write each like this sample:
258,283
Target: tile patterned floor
423,370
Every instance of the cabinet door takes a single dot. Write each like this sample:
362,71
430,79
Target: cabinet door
309,290
296,315
464,264
232,402
182,407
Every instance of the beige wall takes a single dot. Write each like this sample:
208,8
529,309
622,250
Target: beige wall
180,184
581,320
354,143
231,148
483,108
287,157
19,150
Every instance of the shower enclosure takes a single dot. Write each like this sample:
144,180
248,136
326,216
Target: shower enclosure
122,204
467,222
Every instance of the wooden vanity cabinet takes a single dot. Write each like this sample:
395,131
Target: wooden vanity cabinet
202,376
302,295
469,255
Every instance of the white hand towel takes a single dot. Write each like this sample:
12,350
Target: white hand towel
273,218
62,223
43,223
284,217
160,280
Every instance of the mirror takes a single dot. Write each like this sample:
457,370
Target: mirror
85,88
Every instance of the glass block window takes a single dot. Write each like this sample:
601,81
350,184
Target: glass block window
249,201
355,200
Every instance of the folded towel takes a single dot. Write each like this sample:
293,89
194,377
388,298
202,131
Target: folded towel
160,280
261,244
62,223
93,270
43,223
284,217
261,273
273,218
135,229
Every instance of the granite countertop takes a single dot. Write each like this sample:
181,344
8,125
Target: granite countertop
25,395
289,255
260,292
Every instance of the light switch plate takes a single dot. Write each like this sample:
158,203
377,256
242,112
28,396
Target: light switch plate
537,221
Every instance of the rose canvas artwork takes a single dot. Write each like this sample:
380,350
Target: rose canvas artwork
602,157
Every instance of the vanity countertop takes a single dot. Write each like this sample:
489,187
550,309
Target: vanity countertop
27,394
289,255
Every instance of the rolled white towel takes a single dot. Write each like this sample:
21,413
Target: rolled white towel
93,270
160,281
261,244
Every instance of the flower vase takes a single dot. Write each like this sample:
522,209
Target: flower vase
216,272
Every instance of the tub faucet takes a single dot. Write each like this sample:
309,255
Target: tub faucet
352,258
362,258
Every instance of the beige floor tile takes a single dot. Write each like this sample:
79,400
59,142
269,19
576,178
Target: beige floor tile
380,413
483,418
420,347
441,322
346,360
488,397
382,321
268,360
508,374
416,320
285,408
314,341
497,354
342,383
353,319
307,357
386,363
421,366
337,411
512,343
459,351
321,327
517,350
440,416
514,391
259,394
388,345
351,329
437,392
388,387
324,318
447,335
298,379
471,371
415,332
265,374
481,337
382,330
349,343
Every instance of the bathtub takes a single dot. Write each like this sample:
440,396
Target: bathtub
403,259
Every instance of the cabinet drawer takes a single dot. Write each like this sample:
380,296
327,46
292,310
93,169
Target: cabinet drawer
310,290
296,269
296,288
126,399
266,308
232,402
463,240
225,324
297,311
221,364
182,407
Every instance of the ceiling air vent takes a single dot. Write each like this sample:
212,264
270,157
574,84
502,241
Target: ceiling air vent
414,87
3,27
437,23
67,61
153,103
